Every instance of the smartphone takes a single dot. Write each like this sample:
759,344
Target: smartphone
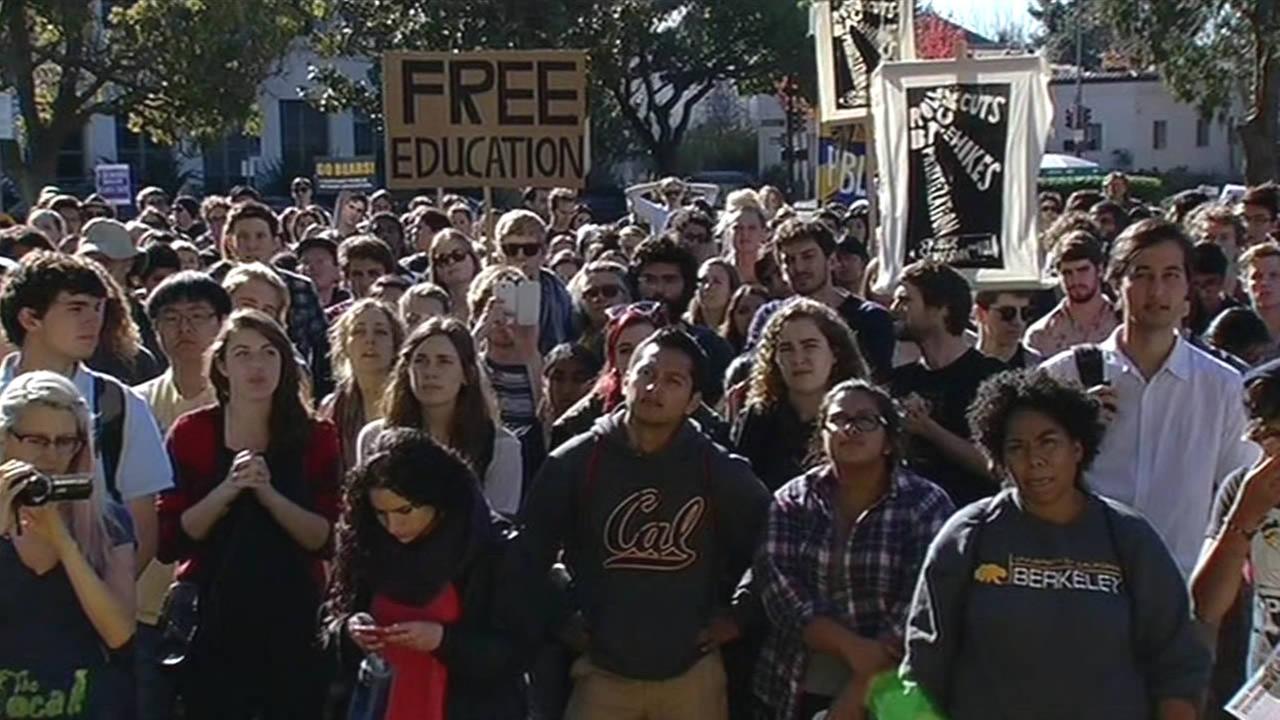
523,300
1090,366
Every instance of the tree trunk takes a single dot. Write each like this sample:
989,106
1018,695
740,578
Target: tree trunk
38,169
1258,131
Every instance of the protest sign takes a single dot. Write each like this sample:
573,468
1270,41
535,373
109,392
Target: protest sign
958,144
489,118
842,164
335,174
112,182
852,38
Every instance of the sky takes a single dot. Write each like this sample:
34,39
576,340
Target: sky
984,15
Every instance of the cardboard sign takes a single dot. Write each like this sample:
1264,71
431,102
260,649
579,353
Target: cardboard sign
113,183
842,164
852,38
496,118
335,174
959,146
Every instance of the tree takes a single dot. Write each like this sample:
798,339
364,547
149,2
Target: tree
1214,53
652,61
174,69
1059,20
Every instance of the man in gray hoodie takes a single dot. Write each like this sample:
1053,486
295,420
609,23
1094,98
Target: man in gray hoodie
658,524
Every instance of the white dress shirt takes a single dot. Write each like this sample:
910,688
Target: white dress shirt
1173,439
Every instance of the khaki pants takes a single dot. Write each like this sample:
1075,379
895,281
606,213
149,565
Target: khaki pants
698,694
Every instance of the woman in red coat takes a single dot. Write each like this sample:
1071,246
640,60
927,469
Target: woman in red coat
249,520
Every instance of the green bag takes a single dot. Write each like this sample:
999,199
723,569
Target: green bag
890,697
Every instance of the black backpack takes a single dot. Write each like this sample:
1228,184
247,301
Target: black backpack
108,427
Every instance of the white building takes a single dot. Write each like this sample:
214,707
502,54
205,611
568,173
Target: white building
1139,126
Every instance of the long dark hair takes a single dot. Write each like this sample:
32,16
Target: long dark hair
474,427
291,414
396,465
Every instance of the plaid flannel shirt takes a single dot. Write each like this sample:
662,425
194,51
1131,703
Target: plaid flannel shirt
799,563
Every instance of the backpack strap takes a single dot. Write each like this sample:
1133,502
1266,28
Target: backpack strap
108,428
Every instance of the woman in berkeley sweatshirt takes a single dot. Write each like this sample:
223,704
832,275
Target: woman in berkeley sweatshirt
1048,601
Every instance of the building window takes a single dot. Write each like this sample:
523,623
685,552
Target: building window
1202,132
304,136
222,161
151,164
70,169
1159,134
366,140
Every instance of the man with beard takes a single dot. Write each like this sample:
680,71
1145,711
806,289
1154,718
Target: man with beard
1085,315
931,307
665,272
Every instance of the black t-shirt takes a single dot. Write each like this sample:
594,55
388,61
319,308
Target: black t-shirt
949,391
873,326
775,440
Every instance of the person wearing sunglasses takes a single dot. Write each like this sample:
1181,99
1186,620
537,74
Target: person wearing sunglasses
1002,318
842,548
454,264
600,286
522,244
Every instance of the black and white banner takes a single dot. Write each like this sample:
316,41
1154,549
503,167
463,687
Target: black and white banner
959,144
853,38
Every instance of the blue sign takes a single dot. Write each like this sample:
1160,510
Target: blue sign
112,183
842,165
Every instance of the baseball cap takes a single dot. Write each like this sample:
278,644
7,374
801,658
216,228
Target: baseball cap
107,237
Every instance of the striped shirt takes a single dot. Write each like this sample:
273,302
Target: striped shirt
514,389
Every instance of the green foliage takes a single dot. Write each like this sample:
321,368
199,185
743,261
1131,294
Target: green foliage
1211,53
1058,21
1150,189
710,148
652,61
176,69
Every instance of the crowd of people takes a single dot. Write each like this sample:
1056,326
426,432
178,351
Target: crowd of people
702,462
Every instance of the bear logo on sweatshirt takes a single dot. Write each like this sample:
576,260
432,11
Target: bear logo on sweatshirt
991,574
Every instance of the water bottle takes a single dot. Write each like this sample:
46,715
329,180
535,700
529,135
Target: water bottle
892,698
373,683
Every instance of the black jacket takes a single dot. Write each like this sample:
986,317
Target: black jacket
488,650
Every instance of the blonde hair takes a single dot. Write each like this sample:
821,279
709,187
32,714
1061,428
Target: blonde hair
1267,249
241,275
89,520
520,222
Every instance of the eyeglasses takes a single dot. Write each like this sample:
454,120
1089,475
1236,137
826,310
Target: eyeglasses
608,292
451,258
527,249
62,444
857,423
1009,313
175,321
650,309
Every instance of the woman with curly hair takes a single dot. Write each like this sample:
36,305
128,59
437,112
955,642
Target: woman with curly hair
1047,564
437,386
365,340
805,350
842,549
418,579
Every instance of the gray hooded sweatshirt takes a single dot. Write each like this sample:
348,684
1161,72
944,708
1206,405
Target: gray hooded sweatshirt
655,543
